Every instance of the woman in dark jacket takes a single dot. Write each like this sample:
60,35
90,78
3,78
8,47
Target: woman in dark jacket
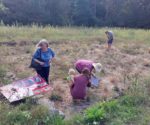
46,55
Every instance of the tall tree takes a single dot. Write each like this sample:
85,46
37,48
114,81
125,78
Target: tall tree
83,13
122,13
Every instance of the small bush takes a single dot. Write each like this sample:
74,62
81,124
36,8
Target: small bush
17,117
100,112
2,72
27,114
55,97
106,111
2,75
75,120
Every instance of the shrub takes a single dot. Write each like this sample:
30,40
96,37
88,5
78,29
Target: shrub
27,114
100,112
106,111
55,97
17,117
2,72
2,75
75,120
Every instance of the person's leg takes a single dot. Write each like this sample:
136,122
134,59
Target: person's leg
109,44
46,74
43,73
40,72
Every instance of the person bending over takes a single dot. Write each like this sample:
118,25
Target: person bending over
110,37
90,65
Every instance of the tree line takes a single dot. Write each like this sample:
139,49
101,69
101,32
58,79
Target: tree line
118,13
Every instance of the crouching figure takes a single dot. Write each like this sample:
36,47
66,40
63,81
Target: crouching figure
79,85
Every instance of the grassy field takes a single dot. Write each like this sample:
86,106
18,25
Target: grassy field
130,109
34,33
126,69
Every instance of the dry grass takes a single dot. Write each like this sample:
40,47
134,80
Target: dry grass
70,44
34,33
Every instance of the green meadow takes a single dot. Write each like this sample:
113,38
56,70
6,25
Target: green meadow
33,33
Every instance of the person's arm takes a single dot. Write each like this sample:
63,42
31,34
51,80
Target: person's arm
53,56
52,60
73,83
36,55
72,78
93,74
41,63
89,84
89,81
107,36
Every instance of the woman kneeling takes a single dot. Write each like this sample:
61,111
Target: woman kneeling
80,84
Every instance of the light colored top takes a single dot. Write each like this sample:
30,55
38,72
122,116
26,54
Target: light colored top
110,35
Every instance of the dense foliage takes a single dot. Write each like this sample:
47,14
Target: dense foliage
122,13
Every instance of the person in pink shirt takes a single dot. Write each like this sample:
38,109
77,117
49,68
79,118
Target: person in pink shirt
79,84
93,67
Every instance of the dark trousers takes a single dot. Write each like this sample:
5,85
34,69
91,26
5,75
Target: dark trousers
44,73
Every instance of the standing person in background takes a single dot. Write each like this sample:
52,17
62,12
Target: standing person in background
45,54
110,37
